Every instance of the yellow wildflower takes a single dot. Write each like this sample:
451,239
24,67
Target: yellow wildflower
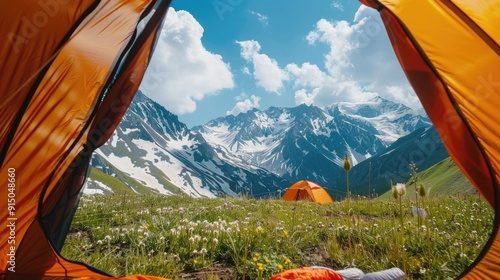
287,260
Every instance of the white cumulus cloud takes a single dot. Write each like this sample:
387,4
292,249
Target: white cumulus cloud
333,91
360,62
266,71
306,75
245,105
182,71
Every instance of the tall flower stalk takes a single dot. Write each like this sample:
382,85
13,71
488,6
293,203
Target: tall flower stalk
347,168
398,191
422,193
414,179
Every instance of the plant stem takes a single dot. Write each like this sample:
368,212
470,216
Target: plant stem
347,187
401,221
428,235
349,216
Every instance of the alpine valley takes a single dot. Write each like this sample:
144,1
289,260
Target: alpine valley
260,153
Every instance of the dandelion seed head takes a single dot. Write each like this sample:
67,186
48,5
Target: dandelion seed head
400,189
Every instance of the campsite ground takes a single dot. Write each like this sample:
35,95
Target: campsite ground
186,238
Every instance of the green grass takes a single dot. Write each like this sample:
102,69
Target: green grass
231,238
116,185
445,178
441,179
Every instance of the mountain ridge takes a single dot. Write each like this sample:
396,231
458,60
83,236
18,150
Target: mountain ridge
297,142
257,152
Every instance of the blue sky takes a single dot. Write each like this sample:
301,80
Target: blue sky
221,57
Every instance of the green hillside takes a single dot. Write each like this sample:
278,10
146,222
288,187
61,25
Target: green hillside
117,184
443,178
373,176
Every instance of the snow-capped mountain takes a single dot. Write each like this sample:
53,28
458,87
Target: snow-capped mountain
255,153
307,142
391,120
152,148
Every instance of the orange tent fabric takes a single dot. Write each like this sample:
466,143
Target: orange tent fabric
450,53
69,71
307,190
307,273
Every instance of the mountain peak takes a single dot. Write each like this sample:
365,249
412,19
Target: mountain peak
262,149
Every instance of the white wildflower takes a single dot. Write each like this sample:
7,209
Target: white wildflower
400,189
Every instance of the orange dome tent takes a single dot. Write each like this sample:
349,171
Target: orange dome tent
307,190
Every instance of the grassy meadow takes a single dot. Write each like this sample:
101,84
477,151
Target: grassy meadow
180,237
